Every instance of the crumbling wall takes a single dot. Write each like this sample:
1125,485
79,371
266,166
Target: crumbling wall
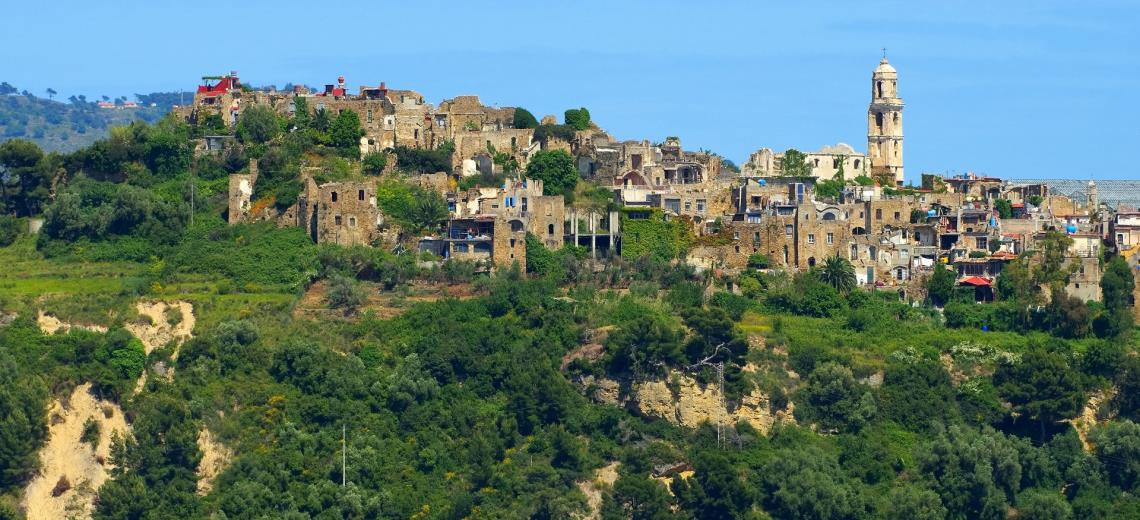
347,213
241,195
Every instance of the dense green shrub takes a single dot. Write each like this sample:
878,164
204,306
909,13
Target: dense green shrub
251,255
556,170
9,229
524,119
577,118
646,232
420,160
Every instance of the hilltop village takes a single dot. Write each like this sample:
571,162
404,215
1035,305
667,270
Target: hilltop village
334,303
786,210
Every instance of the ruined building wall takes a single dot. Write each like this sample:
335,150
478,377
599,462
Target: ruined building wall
347,213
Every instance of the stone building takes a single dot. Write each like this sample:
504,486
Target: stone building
885,125
346,213
825,163
492,240
241,194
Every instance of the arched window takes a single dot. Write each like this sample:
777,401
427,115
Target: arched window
811,262
879,121
550,229
896,118
880,86
334,196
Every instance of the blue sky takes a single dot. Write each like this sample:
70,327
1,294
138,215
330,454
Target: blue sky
1014,89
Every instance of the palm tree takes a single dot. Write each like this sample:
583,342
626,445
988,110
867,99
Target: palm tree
838,273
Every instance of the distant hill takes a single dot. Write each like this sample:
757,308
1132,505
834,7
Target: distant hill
67,125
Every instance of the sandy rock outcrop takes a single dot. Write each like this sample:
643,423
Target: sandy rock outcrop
695,404
1085,422
159,331
215,457
689,403
51,325
605,476
65,455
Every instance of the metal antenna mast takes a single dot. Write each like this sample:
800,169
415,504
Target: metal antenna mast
723,404
343,456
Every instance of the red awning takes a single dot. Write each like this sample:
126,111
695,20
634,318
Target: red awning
976,281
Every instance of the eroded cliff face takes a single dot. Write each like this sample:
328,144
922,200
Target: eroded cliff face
71,469
690,405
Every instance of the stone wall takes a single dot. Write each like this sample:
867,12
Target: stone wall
347,213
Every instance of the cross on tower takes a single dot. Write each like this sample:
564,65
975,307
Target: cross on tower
884,53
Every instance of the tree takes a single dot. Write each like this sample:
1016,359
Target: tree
807,483
795,164
715,490
9,230
257,124
51,93
833,399
524,119
635,497
940,285
1043,504
25,177
345,293
1068,315
23,421
759,261
644,347
976,473
1004,208
1118,447
556,170
374,163
1116,285
578,118
1041,386
838,273
345,134
7,89
301,117
1051,271
916,393
914,503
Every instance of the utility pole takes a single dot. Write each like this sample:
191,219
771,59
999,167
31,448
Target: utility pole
343,457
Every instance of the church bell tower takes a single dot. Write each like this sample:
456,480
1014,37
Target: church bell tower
884,124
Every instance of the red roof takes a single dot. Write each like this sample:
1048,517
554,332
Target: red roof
976,281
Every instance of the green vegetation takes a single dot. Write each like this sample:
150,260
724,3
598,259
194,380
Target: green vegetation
795,164
419,160
646,232
524,119
60,127
577,118
556,170
470,395
415,208
1004,208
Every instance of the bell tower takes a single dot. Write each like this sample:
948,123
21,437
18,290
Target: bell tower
884,124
